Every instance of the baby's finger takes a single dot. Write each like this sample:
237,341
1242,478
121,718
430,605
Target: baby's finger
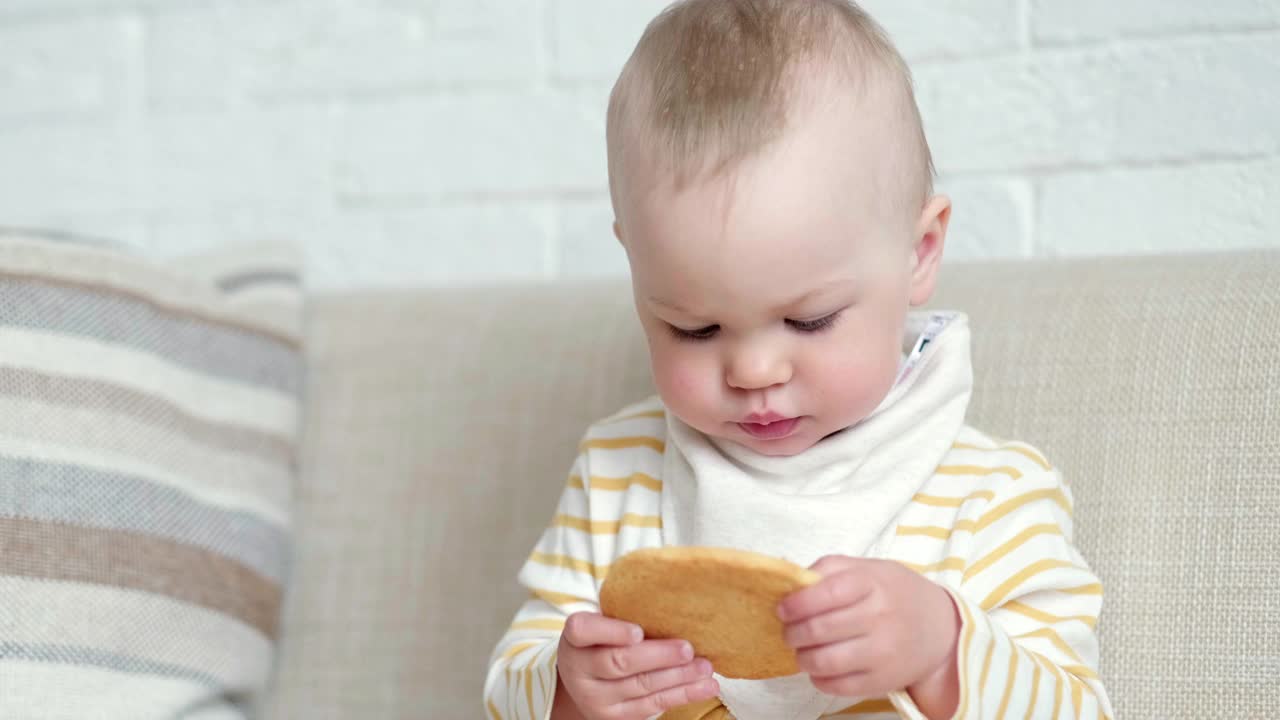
664,700
583,630
648,683
615,663
832,592
859,684
832,564
840,624
839,658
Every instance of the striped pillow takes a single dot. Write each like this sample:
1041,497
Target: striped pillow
148,429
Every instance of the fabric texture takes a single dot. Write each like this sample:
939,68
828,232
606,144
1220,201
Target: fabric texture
148,431
440,424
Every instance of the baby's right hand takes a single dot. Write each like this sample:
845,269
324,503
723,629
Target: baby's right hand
611,673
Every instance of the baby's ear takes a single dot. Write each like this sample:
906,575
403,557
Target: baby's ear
617,231
926,255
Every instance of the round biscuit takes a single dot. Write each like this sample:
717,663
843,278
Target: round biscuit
723,601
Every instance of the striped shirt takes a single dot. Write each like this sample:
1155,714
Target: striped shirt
992,525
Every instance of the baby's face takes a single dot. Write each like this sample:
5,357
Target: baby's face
773,297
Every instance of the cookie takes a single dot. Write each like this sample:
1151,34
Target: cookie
723,601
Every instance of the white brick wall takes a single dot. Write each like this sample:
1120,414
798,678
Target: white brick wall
460,141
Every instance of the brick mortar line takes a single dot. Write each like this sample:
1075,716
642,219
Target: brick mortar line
1095,46
1050,171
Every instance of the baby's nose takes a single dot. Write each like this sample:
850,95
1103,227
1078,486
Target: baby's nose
757,370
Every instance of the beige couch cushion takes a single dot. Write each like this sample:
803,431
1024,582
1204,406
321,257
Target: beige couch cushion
442,425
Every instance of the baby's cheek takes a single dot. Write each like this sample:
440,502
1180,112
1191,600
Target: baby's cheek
863,380
682,382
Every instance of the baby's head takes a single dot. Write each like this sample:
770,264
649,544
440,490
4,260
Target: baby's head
774,192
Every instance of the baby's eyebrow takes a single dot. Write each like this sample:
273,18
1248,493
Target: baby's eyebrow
822,289
667,304
671,305
803,298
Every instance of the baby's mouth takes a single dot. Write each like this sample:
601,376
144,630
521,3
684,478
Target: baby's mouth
773,429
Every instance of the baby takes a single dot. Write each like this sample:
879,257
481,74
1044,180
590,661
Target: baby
772,188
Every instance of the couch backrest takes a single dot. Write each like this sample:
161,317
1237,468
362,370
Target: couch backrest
442,424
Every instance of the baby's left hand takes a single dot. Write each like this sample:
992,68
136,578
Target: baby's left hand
870,627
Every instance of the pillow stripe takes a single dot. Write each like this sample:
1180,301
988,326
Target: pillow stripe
146,627
77,495
231,495
222,350
109,397
98,693
104,436
197,394
71,655
58,551
187,286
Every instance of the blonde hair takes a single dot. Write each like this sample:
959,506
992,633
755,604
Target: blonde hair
711,82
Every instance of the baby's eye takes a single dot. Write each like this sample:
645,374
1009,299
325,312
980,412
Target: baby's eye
811,326
705,333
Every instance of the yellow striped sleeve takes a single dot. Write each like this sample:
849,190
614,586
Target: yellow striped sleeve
978,471
951,563
1004,509
1081,671
640,415
952,502
1028,600
572,563
1010,546
1034,698
515,650
518,686
1077,696
1022,450
1055,677
986,666
521,680
600,514
990,516
624,443
933,531
528,691
553,623
1002,591
607,527
1018,564
1000,678
1038,615
1010,681
558,598
621,484
1056,640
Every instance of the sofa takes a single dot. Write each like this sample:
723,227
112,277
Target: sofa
223,497
440,425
